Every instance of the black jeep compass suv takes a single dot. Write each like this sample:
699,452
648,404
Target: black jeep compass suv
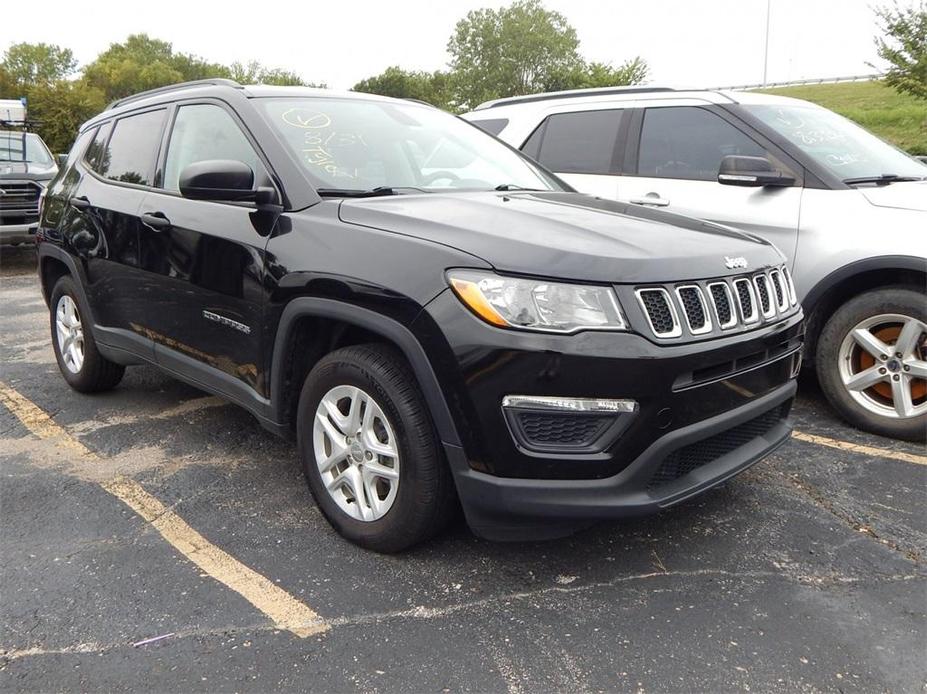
431,314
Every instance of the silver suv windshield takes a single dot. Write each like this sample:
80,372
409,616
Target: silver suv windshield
850,152
367,145
23,147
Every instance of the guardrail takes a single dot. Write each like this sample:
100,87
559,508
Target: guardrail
799,83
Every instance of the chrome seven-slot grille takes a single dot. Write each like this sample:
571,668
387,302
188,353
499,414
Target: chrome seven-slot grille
698,308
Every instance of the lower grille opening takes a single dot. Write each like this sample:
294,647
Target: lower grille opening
688,458
547,429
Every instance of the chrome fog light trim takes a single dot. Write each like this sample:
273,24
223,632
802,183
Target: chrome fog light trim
543,402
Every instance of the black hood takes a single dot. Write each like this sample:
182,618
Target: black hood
27,170
566,235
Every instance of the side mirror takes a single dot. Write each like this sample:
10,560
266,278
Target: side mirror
738,170
61,159
223,180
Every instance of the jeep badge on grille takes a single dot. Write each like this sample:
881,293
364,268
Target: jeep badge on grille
735,263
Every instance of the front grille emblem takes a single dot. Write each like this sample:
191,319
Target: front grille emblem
735,262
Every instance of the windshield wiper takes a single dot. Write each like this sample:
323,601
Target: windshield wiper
372,193
353,192
882,180
512,186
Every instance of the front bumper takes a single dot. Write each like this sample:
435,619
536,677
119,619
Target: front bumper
500,508
683,394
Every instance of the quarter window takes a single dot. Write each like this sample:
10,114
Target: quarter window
132,151
688,142
94,155
577,142
493,126
203,132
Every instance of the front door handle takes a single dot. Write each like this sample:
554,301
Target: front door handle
156,221
652,199
80,203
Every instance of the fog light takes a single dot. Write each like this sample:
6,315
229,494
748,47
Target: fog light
551,424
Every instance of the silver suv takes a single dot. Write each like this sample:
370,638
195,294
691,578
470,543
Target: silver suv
849,211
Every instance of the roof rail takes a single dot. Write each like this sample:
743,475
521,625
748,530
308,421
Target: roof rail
595,91
215,81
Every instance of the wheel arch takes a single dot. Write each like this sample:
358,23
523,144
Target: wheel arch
342,324
51,269
851,280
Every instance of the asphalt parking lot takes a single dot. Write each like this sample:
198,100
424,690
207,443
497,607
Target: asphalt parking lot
158,511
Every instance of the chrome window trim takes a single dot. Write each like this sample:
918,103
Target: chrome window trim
677,326
707,328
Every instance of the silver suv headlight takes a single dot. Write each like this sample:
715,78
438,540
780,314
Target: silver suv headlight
530,304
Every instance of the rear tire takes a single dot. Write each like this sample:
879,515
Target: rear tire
860,371
79,360
382,484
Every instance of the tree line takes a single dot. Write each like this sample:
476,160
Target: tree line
520,49
60,97
523,48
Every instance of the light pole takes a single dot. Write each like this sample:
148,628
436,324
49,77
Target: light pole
766,48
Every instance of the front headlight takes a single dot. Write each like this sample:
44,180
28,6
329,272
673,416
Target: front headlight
514,302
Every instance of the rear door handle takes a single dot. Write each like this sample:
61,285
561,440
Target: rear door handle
652,199
156,220
80,203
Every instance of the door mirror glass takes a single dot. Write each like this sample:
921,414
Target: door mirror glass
737,170
222,180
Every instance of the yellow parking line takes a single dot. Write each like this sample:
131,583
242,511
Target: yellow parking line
857,448
36,420
286,611
283,609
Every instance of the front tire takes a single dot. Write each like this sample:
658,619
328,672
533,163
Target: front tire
369,450
871,364
79,360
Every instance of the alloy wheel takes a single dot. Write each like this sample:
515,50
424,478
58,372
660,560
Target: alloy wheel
882,365
357,453
70,333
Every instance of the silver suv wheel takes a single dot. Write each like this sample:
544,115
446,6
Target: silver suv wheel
356,453
882,365
69,333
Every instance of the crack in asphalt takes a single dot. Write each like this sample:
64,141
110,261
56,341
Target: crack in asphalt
9,655
820,499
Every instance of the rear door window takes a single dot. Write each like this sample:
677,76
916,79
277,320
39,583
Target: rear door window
582,142
688,142
132,151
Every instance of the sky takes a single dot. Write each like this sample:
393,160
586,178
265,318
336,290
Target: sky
697,43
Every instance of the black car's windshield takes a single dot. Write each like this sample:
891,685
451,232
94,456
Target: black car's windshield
23,147
850,152
360,145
